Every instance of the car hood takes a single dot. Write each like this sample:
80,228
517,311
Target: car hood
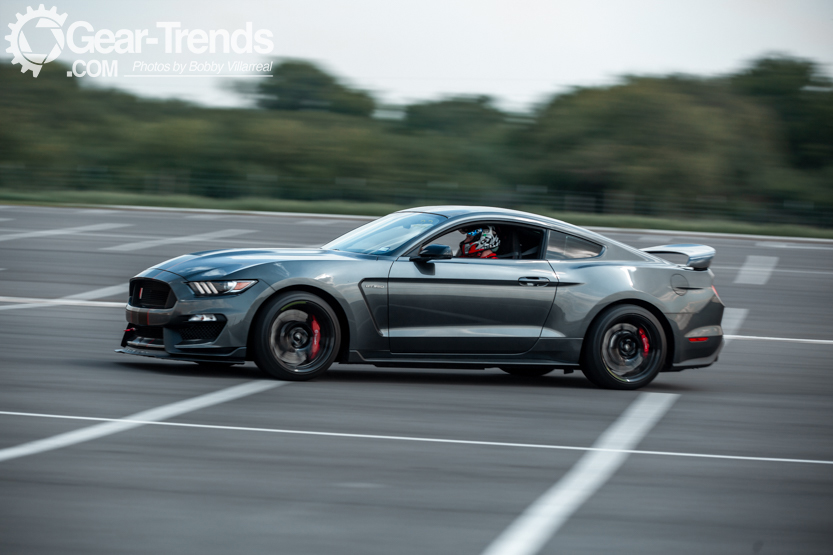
218,264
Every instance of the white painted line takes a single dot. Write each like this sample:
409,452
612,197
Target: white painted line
654,239
138,419
779,245
110,291
541,520
130,247
786,339
318,221
245,212
95,212
779,270
6,219
64,231
756,270
30,302
267,244
79,299
732,321
420,439
682,233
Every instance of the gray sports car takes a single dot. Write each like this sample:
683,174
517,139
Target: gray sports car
438,286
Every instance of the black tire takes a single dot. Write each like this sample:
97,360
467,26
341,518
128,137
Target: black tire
526,372
284,337
625,348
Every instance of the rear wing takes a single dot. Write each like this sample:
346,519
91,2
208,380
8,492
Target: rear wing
699,256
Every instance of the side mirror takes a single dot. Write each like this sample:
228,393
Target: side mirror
433,252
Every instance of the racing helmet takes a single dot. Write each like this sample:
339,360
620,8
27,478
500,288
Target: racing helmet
479,239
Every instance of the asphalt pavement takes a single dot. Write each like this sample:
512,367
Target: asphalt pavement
106,453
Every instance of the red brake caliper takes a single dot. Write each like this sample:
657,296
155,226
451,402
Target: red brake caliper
645,346
316,338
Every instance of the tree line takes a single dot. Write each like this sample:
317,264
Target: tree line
760,136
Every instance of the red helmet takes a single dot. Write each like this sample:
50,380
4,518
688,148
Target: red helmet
478,240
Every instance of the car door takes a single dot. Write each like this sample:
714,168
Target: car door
468,305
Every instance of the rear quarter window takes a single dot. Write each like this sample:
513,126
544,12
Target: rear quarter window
562,246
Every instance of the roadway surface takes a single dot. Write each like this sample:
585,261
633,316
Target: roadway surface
735,458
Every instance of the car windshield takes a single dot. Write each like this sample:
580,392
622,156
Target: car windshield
386,234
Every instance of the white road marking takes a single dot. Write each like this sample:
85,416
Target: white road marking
541,520
756,270
110,291
140,245
267,244
732,321
787,339
31,302
79,299
655,240
315,222
64,231
6,219
96,211
423,439
779,270
139,419
777,245
693,234
311,215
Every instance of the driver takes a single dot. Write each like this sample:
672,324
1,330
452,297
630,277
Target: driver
480,242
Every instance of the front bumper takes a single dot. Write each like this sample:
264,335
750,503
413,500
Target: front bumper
167,333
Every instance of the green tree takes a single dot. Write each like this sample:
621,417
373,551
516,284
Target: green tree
459,115
803,99
650,136
299,85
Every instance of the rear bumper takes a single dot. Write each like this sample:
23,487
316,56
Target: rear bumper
700,355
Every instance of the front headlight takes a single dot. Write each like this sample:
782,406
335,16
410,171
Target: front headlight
215,288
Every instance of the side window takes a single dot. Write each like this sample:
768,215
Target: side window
516,242
565,247
452,239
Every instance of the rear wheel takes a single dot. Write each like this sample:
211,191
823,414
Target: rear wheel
624,349
296,337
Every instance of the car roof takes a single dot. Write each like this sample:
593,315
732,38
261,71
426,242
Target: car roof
457,211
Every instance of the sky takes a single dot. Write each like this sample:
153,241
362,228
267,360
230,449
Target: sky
519,51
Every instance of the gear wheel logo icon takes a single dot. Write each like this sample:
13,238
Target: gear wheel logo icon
20,47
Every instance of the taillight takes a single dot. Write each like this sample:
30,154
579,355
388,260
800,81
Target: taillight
715,294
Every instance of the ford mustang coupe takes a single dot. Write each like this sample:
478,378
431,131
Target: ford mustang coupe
438,287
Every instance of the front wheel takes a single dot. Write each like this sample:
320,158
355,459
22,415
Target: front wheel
624,349
296,337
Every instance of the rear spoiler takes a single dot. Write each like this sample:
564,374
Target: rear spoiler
699,256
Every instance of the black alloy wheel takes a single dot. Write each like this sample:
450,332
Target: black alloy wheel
624,349
296,337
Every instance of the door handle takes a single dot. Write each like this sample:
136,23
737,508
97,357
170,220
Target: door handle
533,281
